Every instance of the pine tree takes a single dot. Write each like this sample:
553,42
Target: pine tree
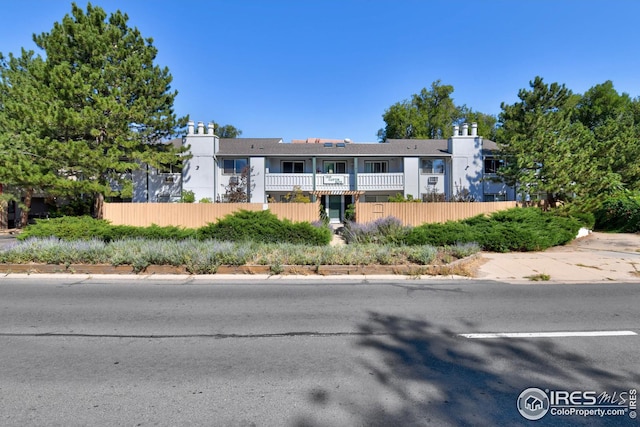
547,154
29,159
109,107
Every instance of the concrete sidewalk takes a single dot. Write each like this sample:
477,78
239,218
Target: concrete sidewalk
596,258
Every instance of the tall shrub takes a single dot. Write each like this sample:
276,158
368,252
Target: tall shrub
619,214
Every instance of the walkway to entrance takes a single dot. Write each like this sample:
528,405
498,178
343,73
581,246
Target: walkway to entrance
337,239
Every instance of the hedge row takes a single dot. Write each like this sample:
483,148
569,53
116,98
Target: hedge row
262,226
518,229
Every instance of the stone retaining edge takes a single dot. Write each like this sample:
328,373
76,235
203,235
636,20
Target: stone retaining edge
459,267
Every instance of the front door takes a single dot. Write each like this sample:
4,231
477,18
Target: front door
335,208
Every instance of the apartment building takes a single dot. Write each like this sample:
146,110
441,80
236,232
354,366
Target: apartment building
337,171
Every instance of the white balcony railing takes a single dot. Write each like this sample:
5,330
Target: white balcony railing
366,181
286,181
380,181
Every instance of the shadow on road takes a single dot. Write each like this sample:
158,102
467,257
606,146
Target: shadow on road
422,374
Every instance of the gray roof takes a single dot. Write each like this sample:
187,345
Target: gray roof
176,142
258,147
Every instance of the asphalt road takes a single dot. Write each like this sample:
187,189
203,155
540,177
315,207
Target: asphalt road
313,353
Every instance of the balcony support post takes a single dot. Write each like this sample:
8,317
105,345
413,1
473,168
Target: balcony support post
313,180
355,173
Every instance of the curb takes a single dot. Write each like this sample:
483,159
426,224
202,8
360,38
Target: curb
462,267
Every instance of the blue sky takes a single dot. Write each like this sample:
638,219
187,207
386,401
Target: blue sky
330,68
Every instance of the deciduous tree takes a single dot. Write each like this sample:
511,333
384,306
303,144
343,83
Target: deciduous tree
428,114
611,118
226,131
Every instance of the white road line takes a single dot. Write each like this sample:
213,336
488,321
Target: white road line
548,334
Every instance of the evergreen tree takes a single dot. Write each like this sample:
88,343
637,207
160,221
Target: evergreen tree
109,107
30,160
546,153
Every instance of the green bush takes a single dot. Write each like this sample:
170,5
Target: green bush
153,232
619,214
69,228
518,229
187,196
264,226
445,234
88,228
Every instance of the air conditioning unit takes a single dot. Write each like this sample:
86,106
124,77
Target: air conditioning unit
168,179
432,180
234,180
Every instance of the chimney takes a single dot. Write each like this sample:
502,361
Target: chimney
200,128
190,127
210,129
465,129
474,129
456,130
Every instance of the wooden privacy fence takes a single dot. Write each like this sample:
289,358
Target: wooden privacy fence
195,215
419,213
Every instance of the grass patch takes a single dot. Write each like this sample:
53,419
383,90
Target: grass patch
206,256
541,277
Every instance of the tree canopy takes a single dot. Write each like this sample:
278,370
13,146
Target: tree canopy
430,114
226,131
564,146
96,107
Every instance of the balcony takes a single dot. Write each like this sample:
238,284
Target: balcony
286,181
366,181
381,181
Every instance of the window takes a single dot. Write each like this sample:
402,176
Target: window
433,166
375,167
376,199
492,165
495,197
175,167
292,167
234,166
335,167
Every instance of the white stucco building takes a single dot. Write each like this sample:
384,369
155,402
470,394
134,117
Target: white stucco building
338,172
